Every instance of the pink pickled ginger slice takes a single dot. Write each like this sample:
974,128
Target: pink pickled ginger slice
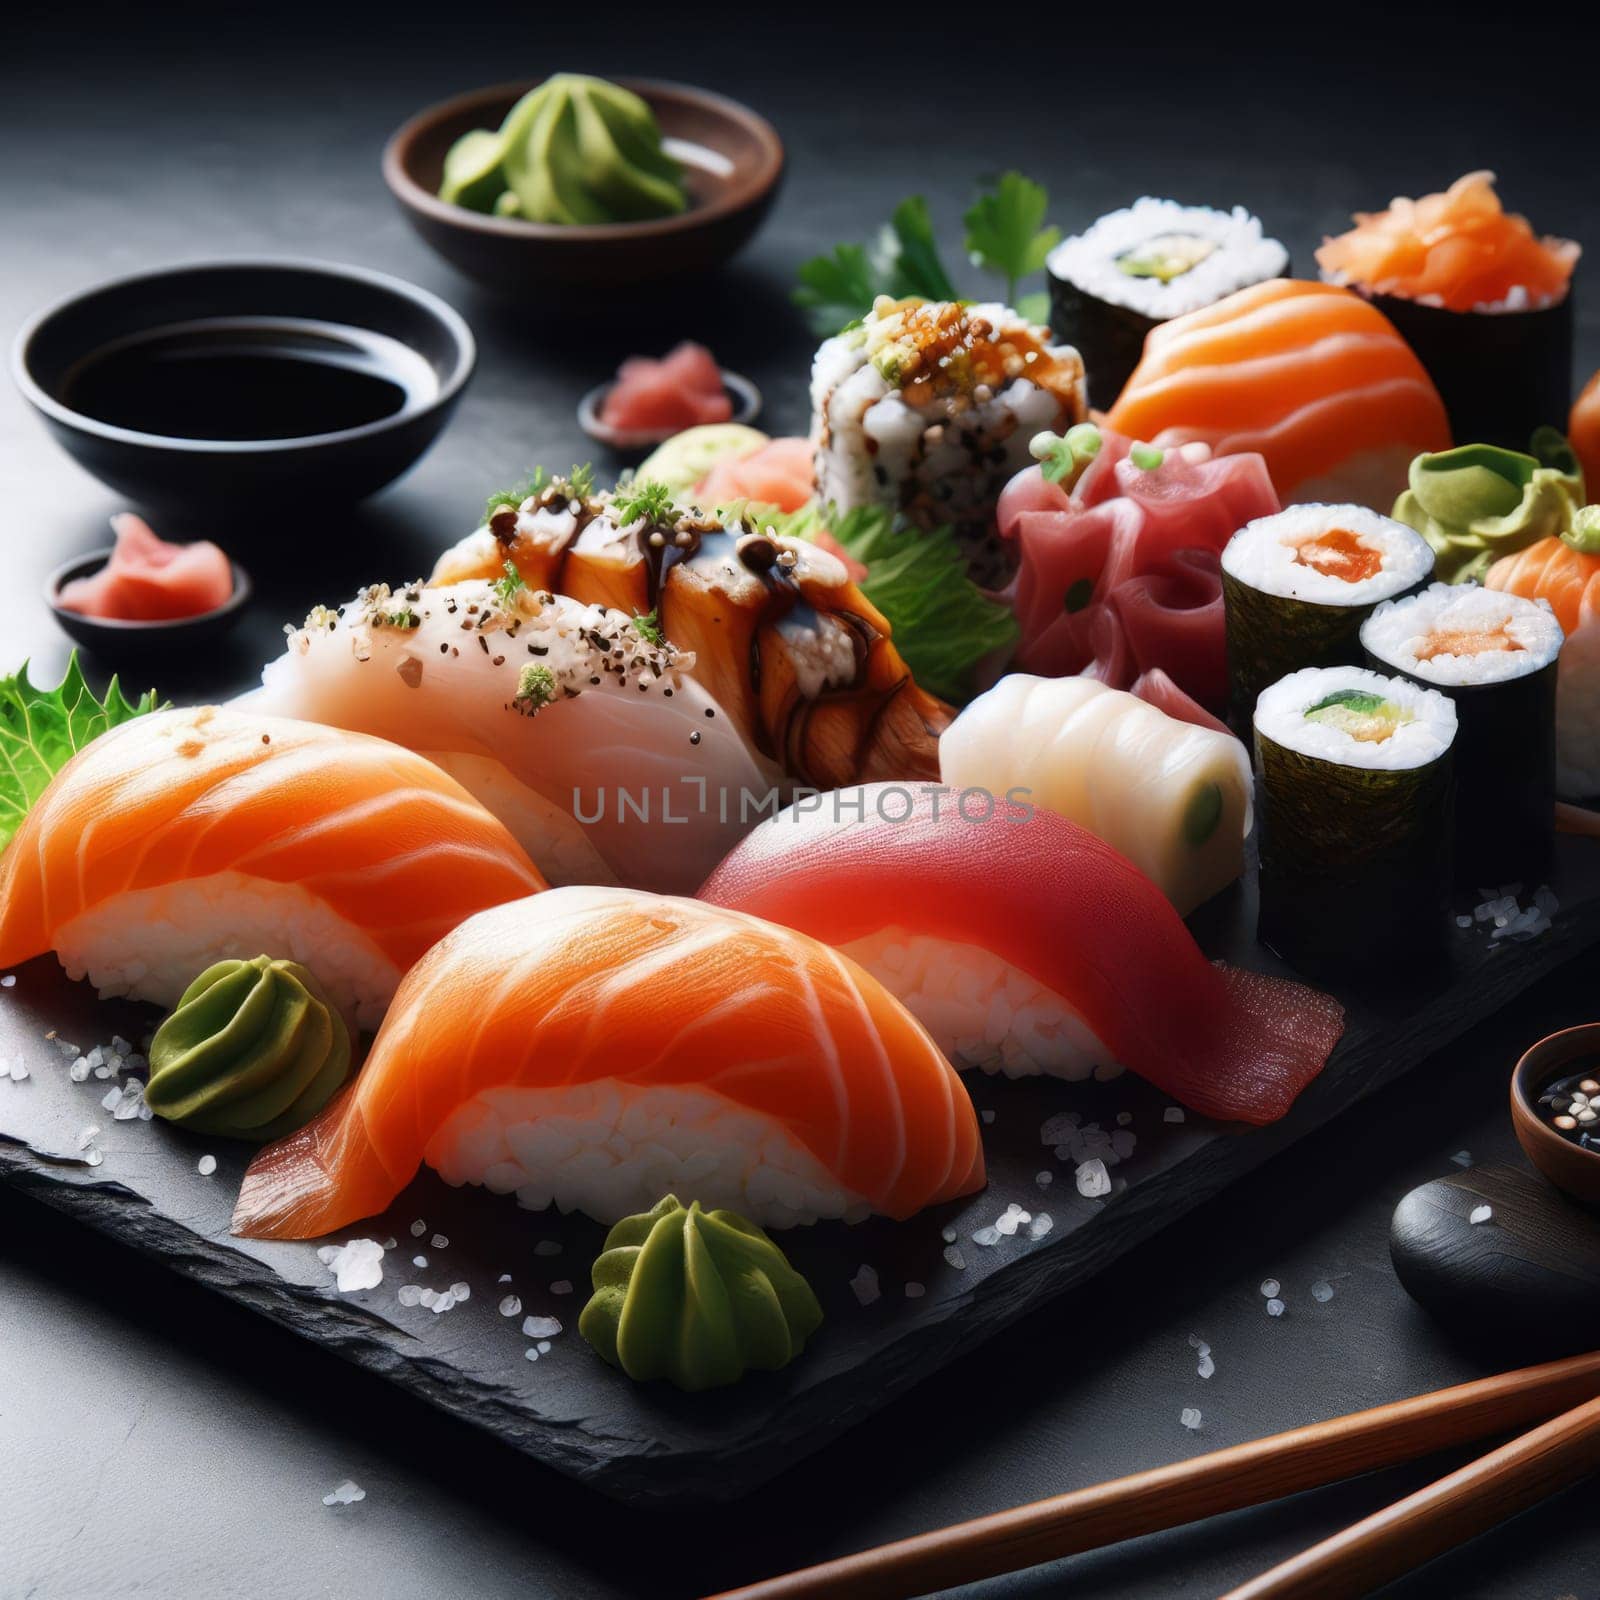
149,580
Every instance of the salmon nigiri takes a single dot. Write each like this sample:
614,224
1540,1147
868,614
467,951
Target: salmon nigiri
1028,946
183,837
1310,375
600,1047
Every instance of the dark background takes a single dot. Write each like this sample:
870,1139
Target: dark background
153,1440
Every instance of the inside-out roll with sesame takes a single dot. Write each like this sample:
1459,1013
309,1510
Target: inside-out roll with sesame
1354,823
1297,586
927,407
1495,656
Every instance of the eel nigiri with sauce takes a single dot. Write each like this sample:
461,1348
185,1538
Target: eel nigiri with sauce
1026,945
596,1048
781,638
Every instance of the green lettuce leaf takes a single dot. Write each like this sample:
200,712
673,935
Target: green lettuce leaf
943,623
42,729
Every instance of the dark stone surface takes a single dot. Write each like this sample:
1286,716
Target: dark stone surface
156,1437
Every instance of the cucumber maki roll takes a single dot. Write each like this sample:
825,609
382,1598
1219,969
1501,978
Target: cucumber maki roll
1297,586
1144,265
1495,656
1355,818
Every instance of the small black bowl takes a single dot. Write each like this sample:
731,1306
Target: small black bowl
134,643
307,313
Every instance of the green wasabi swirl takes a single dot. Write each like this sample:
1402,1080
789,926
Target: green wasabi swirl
253,1051
574,150
1478,502
696,1297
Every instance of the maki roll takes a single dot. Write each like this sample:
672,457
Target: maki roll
1297,586
928,407
1355,818
1483,300
1135,268
1495,656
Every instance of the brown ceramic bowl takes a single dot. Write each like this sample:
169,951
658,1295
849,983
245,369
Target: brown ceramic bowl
732,157
1568,1166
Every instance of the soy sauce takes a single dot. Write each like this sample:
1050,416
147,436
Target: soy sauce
246,379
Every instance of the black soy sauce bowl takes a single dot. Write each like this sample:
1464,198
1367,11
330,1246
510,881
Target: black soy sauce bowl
330,309
121,643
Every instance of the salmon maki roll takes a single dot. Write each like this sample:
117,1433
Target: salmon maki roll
597,1048
1311,376
184,837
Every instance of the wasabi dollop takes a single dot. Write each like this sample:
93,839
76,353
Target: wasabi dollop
253,1051
1478,502
696,1297
574,150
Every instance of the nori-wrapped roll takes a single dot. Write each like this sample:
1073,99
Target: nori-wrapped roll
1355,819
1297,586
1136,268
1501,374
1494,655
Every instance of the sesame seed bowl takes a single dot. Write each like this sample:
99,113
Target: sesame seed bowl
1555,1109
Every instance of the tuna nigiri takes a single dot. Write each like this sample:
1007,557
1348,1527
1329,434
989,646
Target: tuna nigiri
1026,945
597,1048
183,837
1309,375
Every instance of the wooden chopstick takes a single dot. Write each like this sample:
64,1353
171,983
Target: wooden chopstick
1205,1486
1371,1553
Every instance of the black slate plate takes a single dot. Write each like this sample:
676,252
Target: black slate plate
569,1409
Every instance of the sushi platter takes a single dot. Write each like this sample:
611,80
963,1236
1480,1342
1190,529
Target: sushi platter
762,915
652,1443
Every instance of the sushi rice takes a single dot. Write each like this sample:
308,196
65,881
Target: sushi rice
981,1010
1229,250
1296,555
1416,731
1497,637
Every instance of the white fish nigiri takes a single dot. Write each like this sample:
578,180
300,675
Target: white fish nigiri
584,735
1172,797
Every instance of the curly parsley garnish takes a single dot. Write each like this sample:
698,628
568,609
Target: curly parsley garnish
535,483
647,624
506,588
536,688
650,500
